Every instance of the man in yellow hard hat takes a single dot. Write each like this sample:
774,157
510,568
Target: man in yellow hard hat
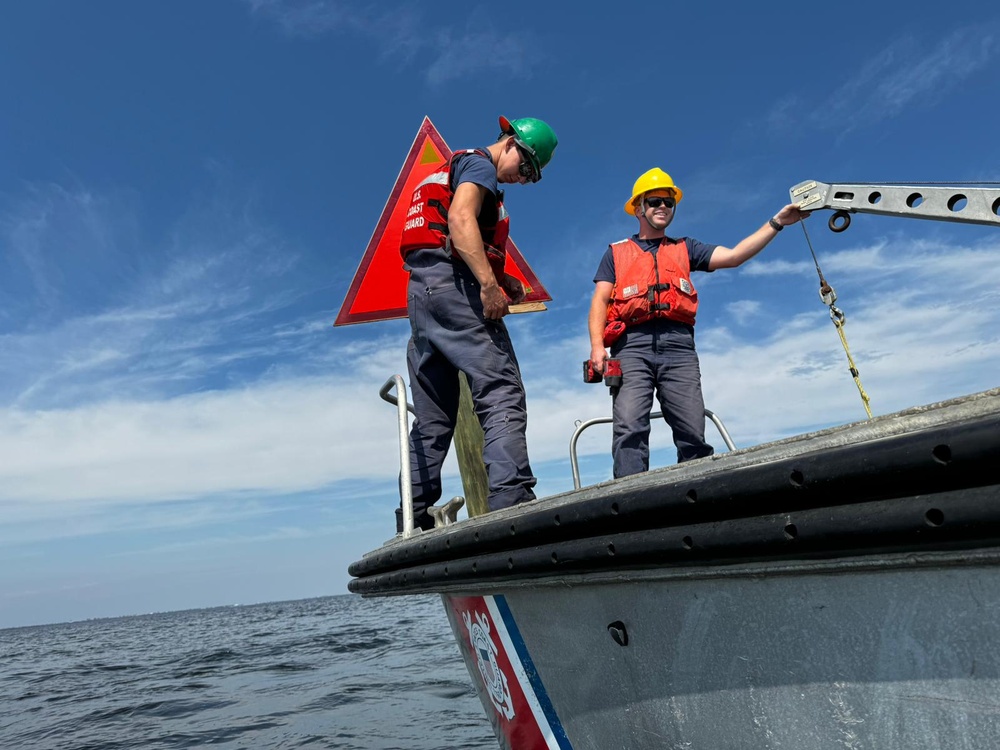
644,308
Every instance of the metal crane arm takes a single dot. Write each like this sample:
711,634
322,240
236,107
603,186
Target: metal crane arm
968,205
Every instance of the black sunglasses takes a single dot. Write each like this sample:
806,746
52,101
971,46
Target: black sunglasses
526,168
656,202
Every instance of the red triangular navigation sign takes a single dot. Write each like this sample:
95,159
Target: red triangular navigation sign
378,291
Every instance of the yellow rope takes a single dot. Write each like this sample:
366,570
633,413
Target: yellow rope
829,296
838,322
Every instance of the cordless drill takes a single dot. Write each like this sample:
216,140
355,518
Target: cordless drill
612,373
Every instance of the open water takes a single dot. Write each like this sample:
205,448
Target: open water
335,672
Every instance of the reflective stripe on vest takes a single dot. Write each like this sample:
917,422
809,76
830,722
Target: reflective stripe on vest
645,289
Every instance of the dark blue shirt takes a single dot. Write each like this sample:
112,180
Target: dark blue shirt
474,168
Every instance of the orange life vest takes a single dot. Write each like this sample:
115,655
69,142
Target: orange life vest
649,285
427,218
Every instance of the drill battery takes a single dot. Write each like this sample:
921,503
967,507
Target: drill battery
613,373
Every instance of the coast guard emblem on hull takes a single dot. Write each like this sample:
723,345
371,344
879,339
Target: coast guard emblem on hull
486,658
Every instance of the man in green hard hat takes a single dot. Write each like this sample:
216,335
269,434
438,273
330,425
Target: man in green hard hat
454,246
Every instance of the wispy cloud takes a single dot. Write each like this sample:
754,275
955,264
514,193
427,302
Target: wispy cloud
57,243
309,17
137,388
777,267
908,73
400,36
107,312
281,533
472,51
276,438
743,309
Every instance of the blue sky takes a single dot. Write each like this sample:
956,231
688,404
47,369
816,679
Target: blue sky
187,188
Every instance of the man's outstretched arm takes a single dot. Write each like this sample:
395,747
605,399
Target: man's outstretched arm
725,257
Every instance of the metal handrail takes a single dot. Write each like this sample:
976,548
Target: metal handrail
581,426
405,480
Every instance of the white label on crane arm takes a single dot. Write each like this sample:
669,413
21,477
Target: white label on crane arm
810,200
803,188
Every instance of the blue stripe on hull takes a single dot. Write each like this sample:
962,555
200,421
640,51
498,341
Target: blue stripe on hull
541,695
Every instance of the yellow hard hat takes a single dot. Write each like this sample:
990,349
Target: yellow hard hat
654,179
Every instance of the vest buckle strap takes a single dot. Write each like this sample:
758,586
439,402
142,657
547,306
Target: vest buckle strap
443,209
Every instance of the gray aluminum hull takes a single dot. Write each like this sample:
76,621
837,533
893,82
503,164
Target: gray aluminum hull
882,653
834,590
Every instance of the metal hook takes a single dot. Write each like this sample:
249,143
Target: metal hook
840,221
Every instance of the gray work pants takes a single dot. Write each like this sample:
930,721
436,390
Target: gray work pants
449,335
676,380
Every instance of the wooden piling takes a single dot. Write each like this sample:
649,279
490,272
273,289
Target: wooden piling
469,450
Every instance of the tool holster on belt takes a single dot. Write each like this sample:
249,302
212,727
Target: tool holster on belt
613,331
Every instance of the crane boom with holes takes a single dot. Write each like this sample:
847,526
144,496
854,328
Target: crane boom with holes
959,203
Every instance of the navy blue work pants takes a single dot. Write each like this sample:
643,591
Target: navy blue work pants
449,336
676,381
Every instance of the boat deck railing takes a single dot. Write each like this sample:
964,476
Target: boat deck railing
447,512
581,426
405,480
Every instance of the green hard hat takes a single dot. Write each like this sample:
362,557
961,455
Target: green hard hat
536,138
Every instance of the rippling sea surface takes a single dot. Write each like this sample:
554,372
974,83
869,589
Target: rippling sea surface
336,672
